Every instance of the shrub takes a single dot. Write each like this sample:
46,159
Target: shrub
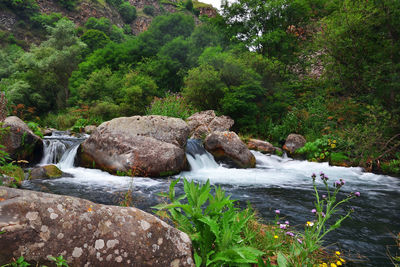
320,149
149,10
172,105
127,12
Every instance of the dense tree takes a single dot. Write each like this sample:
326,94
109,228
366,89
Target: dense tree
272,28
42,77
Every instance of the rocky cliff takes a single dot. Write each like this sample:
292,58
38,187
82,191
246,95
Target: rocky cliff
12,23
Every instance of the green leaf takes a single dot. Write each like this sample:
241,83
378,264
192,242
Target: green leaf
282,261
197,259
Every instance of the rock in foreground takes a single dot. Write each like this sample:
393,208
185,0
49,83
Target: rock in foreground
37,225
227,147
139,145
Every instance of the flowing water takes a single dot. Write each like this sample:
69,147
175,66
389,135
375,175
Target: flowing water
275,183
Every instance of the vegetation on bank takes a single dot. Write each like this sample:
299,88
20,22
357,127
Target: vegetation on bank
224,235
326,69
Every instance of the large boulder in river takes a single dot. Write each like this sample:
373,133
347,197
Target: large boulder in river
205,122
20,142
294,142
139,145
227,147
37,225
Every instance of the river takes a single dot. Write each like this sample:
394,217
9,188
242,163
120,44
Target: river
276,183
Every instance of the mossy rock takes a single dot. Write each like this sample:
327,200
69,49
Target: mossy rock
45,172
11,176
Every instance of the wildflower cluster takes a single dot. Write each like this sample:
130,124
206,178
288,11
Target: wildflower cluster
337,261
325,207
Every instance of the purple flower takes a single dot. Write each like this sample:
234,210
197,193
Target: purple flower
357,194
277,212
278,223
290,233
314,211
323,196
299,240
313,176
323,214
282,226
287,222
337,184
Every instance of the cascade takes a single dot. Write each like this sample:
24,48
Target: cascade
198,157
60,149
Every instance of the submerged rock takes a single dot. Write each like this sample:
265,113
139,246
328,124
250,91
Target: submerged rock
138,145
227,147
294,142
20,142
45,172
37,225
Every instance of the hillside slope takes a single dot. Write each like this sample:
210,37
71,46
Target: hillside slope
24,22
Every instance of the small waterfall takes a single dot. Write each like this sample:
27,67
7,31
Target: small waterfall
198,157
60,148
53,151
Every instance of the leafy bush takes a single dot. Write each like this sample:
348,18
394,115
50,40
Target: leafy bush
149,10
172,105
127,12
35,128
68,4
213,223
320,149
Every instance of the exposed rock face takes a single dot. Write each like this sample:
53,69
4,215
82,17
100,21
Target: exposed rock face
262,146
20,142
37,225
143,145
208,11
294,142
227,147
45,172
205,122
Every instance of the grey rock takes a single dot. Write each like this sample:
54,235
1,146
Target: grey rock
294,142
227,147
20,142
37,225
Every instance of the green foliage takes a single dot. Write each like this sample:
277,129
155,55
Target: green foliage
104,25
149,10
59,261
189,5
391,167
20,262
41,79
127,12
213,223
371,68
320,149
172,105
43,20
23,8
95,39
35,128
68,4
325,208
